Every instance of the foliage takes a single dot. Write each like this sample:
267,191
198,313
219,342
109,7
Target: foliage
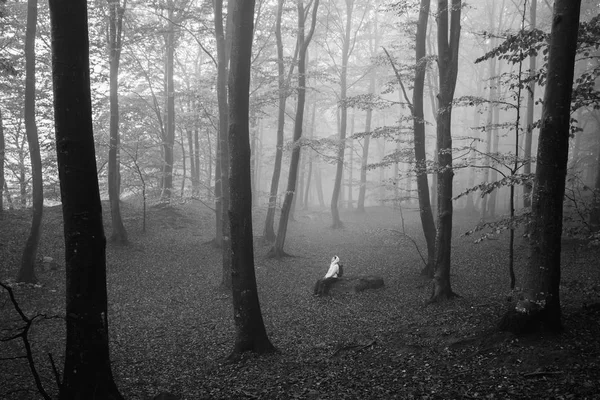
487,187
493,229
523,44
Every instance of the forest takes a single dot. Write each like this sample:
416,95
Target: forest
299,199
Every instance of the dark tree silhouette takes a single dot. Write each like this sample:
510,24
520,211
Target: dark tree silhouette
303,42
250,330
115,30
530,109
27,270
448,41
2,152
373,49
222,194
283,83
87,370
169,133
347,48
539,307
425,211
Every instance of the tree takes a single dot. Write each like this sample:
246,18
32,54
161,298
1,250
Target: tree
303,42
251,334
27,272
425,211
2,155
373,47
87,371
269,232
347,47
169,138
448,41
539,306
530,109
115,30
223,49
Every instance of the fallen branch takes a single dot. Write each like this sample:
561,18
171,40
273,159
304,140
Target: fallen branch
24,337
353,346
413,242
54,370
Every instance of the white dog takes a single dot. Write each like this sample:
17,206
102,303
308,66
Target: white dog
334,268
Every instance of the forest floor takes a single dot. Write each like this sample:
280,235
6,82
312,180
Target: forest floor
171,325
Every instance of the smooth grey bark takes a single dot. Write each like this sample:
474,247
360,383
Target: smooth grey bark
87,370
595,206
169,138
251,334
539,305
115,30
337,185
283,86
27,269
223,48
425,210
2,153
530,110
303,43
448,43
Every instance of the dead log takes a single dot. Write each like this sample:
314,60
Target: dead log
350,284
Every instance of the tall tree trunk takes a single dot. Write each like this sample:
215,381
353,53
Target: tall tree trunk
251,334
300,187
470,203
425,211
183,163
319,187
471,200
27,271
310,156
169,142
351,166
492,98
11,205
2,155
269,232
22,179
197,161
335,214
595,206
87,371
115,25
448,43
493,196
223,44
539,307
190,144
530,111
254,156
303,42
308,181
433,102
362,191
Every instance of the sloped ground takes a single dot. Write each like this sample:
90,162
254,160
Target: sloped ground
171,325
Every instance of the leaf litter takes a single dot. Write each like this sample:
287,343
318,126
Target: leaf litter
171,324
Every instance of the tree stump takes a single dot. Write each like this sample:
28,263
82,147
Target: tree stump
350,284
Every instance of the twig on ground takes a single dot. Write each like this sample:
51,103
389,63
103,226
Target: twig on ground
55,370
23,335
413,242
352,346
